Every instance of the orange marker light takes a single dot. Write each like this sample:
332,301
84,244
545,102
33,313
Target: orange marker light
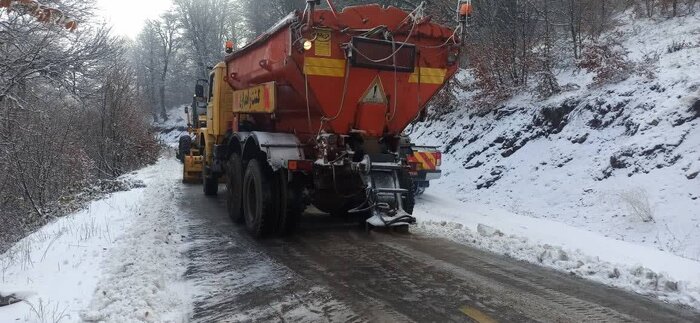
229,46
465,9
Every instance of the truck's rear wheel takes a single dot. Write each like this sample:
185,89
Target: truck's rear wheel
259,203
210,183
234,187
290,202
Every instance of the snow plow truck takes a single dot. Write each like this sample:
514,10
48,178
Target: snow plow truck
312,112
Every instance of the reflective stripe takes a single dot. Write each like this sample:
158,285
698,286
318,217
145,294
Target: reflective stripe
429,75
324,67
427,160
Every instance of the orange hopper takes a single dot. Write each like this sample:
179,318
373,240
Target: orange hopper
367,69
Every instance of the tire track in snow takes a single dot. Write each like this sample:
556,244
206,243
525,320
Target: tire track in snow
236,281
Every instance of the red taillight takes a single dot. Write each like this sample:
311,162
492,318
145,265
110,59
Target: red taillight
438,158
300,165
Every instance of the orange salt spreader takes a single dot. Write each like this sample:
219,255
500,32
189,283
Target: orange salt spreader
313,111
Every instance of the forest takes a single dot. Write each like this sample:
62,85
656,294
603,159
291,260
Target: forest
77,104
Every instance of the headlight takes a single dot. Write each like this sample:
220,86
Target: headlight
308,44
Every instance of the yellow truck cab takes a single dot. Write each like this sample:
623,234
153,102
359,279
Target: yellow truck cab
207,129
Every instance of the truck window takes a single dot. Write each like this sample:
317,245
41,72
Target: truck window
211,86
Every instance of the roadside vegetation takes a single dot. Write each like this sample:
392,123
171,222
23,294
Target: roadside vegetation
71,116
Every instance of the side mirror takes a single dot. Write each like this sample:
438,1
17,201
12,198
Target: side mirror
187,109
199,90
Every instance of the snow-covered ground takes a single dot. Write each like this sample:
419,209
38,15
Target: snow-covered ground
119,260
602,182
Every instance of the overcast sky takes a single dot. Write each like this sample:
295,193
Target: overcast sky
127,16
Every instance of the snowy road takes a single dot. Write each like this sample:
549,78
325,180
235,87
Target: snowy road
332,271
167,253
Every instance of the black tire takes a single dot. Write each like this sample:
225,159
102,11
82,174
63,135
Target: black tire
290,203
417,189
234,188
183,147
259,205
210,183
408,200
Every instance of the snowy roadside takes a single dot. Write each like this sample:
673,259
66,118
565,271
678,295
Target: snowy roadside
120,259
637,268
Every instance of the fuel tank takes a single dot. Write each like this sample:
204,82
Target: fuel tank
368,69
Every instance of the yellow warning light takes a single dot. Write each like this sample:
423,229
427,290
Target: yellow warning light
308,44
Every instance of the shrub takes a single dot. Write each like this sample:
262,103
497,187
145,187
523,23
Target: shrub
637,202
648,66
547,84
677,46
608,60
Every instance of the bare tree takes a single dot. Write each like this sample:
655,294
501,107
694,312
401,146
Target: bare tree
206,24
167,31
146,58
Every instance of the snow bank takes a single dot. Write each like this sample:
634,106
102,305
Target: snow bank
123,251
556,245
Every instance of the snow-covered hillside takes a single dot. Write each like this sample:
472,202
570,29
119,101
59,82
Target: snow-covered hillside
169,131
621,161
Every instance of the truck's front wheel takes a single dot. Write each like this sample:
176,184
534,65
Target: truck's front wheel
210,183
184,147
258,199
234,186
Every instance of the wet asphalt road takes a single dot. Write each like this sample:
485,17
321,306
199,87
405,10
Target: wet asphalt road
332,271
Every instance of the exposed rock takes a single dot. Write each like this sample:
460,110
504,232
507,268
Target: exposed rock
508,153
694,111
671,286
504,112
451,144
564,162
474,165
495,174
619,160
554,119
604,114
580,139
614,274
8,300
